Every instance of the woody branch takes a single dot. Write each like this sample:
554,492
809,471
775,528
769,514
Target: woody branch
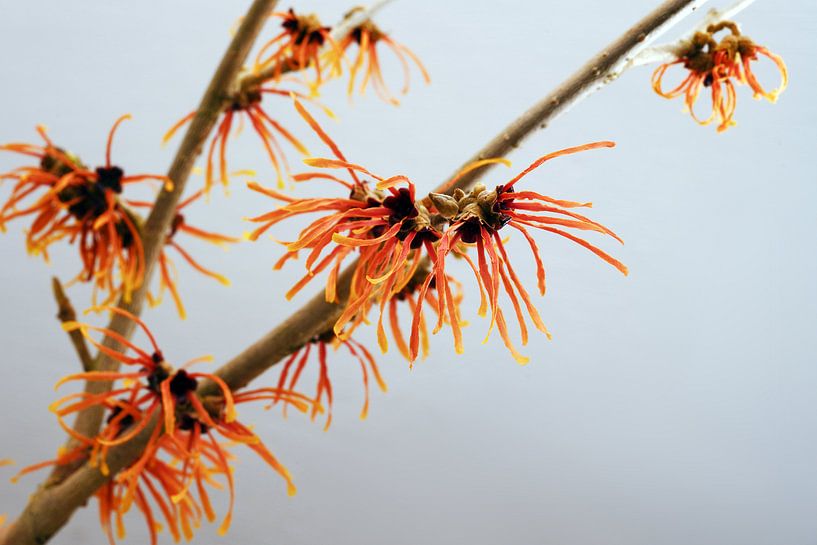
51,508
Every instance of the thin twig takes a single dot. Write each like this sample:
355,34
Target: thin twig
40,520
55,505
669,52
66,313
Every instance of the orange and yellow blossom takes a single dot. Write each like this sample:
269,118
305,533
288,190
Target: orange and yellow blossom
84,207
476,219
718,66
296,47
381,223
367,37
181,451
246,106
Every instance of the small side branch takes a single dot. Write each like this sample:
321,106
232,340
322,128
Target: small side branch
66,313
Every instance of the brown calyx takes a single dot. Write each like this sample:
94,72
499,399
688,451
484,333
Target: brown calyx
308,29
734,43
480,203
699,52
53,163
244,98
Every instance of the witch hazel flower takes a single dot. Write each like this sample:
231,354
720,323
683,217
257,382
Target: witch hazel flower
718,66
380,222
181,451
296,47
68,201
476,220
325,348
370,41
246,107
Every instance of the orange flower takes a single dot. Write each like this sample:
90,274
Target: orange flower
246,106
82,206
717,66
168,279
367,36
296,47
698,59
181,451
736,53
383,225
190,455
323,389
475,219
155,389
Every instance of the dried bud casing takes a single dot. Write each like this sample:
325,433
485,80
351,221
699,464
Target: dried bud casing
447,206
486,201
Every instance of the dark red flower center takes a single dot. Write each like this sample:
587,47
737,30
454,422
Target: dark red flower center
178,221
302,31
124,422
401,206
110,178
182,384
471,230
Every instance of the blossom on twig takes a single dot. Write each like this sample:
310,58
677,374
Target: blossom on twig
296,47
246,106
718,66
84,207
383,225
475,219
181,450
367,37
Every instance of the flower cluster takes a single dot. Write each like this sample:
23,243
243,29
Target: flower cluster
719,66
402,245
69,201
381,223
301,45
182,457
476,218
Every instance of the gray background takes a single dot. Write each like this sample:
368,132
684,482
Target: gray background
675,406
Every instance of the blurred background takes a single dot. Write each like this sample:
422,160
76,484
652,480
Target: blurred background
673,406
